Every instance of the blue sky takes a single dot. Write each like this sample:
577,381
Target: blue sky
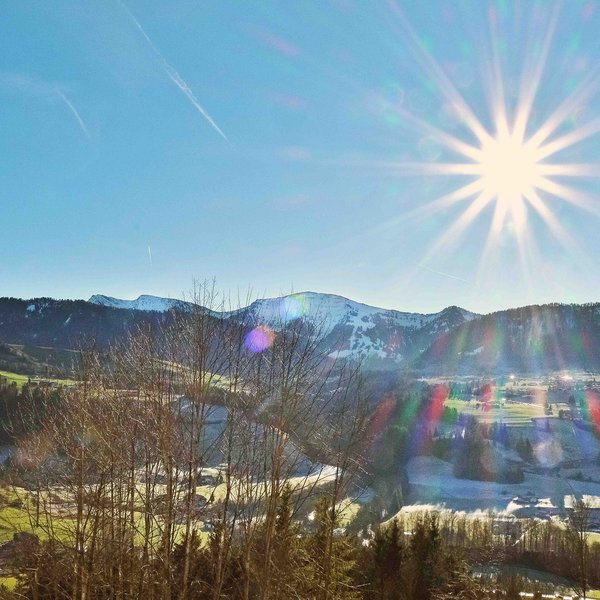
145,144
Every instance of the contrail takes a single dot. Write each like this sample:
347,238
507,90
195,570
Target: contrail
443,274
174,76
46,89
150,254
76,114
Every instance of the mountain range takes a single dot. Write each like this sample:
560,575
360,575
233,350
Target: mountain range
40,333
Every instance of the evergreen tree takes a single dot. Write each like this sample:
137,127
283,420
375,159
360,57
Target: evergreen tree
387,554
329,576
426,563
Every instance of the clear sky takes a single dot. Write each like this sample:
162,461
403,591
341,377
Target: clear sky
299,145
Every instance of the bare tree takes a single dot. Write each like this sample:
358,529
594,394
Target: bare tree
120,469
578,523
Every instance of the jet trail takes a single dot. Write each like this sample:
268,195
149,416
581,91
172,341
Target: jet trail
75,113
174,76
442,273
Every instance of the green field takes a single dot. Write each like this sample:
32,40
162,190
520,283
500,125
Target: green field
10,583
511,413
17,506
21,380
14,378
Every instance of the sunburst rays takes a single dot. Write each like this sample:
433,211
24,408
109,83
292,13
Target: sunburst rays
507,164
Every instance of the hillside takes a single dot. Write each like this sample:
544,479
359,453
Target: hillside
532,339
383,337
38,336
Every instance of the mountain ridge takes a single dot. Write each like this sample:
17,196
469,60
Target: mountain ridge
534,338
161,303
354,329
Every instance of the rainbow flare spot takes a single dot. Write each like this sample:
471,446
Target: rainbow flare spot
293,307
259,339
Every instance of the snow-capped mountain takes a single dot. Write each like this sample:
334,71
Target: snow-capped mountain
357,330
143,302
328,310
533,339
351,328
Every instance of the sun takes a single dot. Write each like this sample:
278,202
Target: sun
510,171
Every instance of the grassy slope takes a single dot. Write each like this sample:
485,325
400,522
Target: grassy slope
512,413
37,360
14,378
21,380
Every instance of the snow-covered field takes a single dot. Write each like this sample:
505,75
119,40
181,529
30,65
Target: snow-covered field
433,483
564,442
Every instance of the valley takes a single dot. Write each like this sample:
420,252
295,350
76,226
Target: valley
379,425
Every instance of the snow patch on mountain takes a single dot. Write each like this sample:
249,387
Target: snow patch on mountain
143,302
329,310
362,330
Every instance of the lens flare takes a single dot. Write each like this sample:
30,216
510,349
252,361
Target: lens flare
593,408
293,307
259,339
548,453
382,416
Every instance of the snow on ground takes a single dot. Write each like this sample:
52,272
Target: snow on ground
477,350
320,475
432,482
508,454
303,470
591,501
589,471
563,442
